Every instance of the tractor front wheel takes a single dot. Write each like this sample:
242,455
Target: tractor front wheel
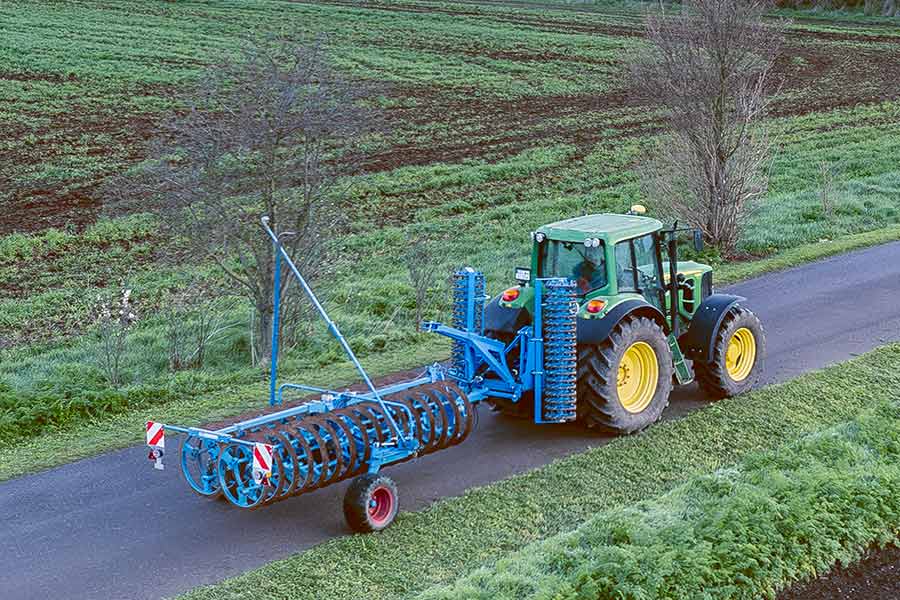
370,503
624,382
737,355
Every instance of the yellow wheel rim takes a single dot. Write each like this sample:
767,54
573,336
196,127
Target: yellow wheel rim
741,354
638,377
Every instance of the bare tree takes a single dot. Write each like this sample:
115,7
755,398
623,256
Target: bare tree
195,318
708,68
421,258
114,319
266,134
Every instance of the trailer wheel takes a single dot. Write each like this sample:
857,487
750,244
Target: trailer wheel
198,465
738,351
370,503
624,382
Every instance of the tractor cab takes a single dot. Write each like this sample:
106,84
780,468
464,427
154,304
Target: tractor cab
613,258
605,254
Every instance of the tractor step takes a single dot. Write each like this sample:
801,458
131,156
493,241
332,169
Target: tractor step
683,372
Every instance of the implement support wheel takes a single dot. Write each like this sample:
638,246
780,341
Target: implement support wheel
625,381
370,503
738,351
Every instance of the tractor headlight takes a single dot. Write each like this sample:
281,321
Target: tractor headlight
539,237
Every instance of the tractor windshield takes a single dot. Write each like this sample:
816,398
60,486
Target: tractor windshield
587,266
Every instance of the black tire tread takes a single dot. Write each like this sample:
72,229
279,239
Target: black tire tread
356,502
598,370
712,376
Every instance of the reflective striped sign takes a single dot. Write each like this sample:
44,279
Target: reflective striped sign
156,435
262,459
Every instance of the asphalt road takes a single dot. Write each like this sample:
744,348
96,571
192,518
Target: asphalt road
112,527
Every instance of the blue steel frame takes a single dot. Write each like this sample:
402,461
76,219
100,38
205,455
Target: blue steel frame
403,444
479,351
484,351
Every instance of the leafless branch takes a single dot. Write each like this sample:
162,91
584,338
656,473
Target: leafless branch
708,69
264,134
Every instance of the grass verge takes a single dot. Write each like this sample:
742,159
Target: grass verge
742,532
456,535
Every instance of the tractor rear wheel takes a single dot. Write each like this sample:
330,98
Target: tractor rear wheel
624,382
737,354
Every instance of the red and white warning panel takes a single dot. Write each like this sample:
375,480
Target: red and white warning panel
156,435
262,463
156,439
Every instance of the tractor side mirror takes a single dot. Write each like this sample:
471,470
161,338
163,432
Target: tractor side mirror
698,240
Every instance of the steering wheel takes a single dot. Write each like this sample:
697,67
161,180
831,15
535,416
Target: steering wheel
646,280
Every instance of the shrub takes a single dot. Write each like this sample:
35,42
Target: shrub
76,393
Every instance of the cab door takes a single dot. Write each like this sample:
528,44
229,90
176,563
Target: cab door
638,269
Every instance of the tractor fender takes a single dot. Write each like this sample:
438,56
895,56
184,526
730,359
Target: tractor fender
500,319
594,331
697,343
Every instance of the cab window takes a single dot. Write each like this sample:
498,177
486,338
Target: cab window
637,267
625,279
647,265
586,266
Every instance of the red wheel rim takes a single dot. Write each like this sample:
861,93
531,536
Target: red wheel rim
381,505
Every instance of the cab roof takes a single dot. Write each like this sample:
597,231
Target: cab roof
608,227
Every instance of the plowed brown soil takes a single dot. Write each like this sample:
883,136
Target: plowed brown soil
822,70
876,577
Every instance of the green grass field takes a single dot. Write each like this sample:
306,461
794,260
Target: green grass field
742,532
503,117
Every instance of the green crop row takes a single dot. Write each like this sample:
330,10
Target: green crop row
741,533
454,536
447,62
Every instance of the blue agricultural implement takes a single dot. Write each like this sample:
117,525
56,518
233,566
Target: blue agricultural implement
597,330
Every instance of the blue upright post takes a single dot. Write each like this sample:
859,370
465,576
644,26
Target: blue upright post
470,322
537,349
276,311
332,327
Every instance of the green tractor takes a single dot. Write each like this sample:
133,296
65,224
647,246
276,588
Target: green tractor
632,321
